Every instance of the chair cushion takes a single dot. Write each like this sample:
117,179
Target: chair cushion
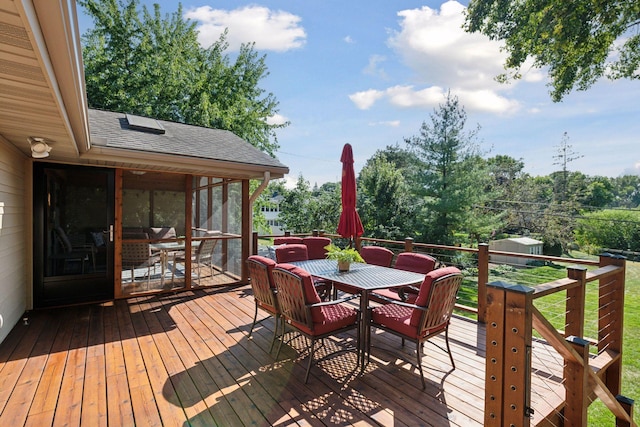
412,261
395,317
377,255
287,240
329,318
316,246
425,289
291,253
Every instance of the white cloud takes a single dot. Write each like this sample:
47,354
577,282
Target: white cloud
373,67
444,57
434,44
270,30
390,123
409,97
365,100
277,119
349,40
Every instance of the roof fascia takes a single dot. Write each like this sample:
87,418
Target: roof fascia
127,158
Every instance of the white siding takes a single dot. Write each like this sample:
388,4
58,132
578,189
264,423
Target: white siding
13,254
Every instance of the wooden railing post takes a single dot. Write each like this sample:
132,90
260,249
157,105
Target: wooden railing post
610,318
483,279
408,244
576,384
576,296
508,359
627,404
254,243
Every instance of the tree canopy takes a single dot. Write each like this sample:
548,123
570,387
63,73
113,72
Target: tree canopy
139,62
580,41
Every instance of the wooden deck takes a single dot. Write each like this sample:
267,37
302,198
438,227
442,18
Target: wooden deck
185,359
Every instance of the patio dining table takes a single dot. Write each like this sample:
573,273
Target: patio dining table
364,277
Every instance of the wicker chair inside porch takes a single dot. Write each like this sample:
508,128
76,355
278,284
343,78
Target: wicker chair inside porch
203,255
139,255
302,309
264,291
428,317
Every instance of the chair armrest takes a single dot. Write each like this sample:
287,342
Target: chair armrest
332,302
402,292
400,303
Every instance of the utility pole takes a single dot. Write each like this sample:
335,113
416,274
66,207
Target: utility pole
565,155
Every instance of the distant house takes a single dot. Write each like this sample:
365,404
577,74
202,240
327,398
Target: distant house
271,213
98,205
521,245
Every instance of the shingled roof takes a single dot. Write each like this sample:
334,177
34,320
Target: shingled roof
113,131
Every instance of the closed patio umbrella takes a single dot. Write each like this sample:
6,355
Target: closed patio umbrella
349,225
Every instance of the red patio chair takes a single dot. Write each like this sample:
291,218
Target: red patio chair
302,309
264,290
287,240
407,261
377,255
428,317
298,252
291,253
316,246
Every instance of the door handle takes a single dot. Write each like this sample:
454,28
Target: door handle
110,233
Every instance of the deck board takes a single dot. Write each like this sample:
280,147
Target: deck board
186,359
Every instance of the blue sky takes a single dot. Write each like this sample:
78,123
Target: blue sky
370,72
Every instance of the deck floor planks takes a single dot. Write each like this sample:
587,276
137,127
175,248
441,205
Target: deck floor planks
150,339
175,357
209,376
268,407
249,368
45,398
69,408
340,410
186,359
142,397
94,401
119,408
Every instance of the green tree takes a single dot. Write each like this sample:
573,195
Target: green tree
626,191
452,179
153,66
579,41
612,229
385,205
304,210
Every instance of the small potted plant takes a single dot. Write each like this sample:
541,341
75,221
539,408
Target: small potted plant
344,256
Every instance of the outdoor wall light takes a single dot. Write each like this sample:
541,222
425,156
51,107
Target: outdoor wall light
39,147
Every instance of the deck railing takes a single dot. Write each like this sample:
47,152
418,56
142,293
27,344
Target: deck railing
518,331
475,263
512,349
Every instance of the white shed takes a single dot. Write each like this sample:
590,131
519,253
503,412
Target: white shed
521,245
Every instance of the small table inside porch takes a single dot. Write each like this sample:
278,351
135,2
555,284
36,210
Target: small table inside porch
366,278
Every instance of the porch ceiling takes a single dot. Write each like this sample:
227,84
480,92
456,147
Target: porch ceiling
34,101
